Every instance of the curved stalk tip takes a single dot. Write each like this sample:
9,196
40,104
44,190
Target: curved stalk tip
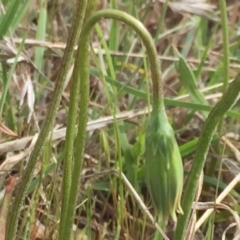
82,66
146,38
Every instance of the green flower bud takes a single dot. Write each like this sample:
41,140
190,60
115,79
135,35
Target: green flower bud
163,167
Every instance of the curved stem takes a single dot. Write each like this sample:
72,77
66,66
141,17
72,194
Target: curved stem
147,41
227,101
13,216
82,66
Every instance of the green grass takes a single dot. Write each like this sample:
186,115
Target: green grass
194,69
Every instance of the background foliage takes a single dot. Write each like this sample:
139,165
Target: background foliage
197,64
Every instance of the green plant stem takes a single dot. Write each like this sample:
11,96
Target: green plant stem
227,101
25,181
225,33
226,55
71,126
82,65
225,37
5,206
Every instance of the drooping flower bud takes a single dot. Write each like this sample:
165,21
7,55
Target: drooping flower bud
163,167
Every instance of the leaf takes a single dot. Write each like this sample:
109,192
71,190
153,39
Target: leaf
188,78
29,91
7,131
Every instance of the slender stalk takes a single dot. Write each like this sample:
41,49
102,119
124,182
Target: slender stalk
226,62
225,37
82,66
214,162
71,122
13,216
227,101
5,206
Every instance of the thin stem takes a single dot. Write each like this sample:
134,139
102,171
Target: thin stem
25,181
82,66
226,53
225,37
214,162
71,127
227,101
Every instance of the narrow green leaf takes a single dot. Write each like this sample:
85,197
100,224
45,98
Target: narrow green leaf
187,77
8,18
168,102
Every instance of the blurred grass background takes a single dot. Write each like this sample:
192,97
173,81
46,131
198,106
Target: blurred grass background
189,40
